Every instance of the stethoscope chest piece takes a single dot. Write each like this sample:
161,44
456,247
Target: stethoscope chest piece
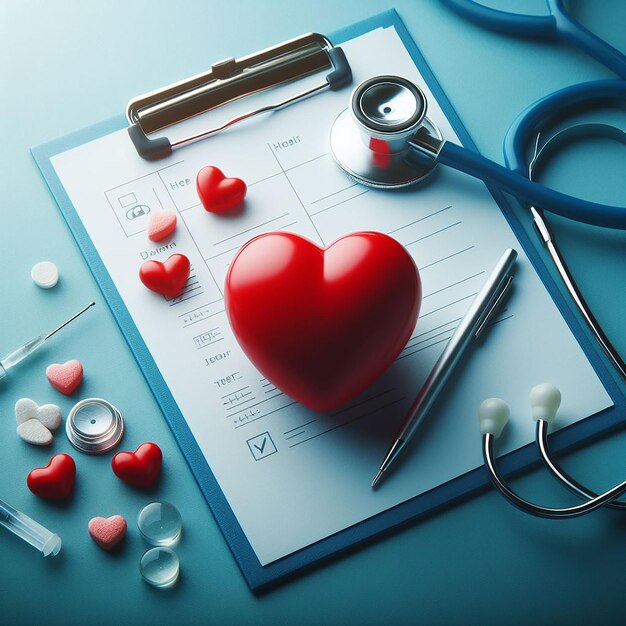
94,426
370,140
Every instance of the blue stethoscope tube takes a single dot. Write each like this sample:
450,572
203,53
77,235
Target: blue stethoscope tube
511,182
558,25
554,108
513,178
550,110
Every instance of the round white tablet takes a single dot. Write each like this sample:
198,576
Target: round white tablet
45,274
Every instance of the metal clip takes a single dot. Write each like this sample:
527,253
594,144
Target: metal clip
230,80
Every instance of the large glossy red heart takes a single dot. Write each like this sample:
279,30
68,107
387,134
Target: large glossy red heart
218,193
166,278
56,480
139,468
322,324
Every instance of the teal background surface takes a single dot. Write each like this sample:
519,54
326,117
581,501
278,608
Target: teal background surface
66,65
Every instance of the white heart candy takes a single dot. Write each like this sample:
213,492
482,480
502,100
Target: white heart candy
25,409
33,431
48,414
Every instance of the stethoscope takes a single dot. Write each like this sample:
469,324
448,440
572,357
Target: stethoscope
545,400
384,138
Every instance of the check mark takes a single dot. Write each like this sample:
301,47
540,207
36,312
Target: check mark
262,446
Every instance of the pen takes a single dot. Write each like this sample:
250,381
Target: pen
470,327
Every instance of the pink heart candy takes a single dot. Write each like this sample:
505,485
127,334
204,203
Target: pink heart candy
65,378
107,532
161,225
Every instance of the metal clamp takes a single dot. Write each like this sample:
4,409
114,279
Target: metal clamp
230,80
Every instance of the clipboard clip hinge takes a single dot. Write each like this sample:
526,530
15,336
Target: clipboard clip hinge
230,80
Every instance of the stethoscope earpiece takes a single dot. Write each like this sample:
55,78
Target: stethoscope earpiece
545,400
493,416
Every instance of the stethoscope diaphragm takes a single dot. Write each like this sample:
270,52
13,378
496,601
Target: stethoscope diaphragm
94,426
373,140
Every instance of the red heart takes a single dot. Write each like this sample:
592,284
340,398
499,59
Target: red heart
166,278
139,468
218,193
56,480
322,324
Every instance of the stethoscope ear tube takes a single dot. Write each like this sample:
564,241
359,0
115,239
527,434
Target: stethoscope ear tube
545,399
559,473
512,182
535,509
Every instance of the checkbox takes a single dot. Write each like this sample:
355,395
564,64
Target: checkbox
261,446
127,200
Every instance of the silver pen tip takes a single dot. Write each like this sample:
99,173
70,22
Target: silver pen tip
377,479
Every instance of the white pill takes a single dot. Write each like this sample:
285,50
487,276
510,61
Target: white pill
45,274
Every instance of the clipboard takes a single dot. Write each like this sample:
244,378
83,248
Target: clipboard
260,577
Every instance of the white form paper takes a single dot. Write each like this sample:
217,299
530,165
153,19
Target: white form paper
293,476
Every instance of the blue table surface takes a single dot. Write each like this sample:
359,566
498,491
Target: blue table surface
69,64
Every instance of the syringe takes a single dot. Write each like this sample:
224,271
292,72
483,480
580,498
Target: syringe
29,530
13,358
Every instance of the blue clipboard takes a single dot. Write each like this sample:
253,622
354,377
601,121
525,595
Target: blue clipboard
261,577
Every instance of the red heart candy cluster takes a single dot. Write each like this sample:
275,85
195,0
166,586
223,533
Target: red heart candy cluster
217,194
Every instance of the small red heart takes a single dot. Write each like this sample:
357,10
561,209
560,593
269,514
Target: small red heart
166,278
139,468
322,324
218,193
56,480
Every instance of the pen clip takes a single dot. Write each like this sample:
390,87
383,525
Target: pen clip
494,306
